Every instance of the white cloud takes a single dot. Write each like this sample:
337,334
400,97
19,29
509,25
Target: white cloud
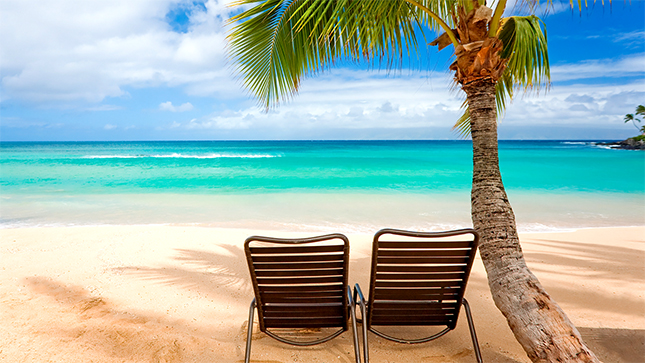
66,50
350,99
109,127
632,66
168,106
355,99
578,105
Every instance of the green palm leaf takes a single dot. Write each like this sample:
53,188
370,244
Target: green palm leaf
278,42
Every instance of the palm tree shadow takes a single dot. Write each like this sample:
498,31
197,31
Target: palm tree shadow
86,325
602,261
217,273
615,345
610,265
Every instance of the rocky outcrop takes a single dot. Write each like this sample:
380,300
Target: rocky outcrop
633,143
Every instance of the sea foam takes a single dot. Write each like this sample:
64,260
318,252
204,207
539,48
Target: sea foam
182,156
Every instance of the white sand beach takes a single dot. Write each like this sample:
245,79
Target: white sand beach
181,294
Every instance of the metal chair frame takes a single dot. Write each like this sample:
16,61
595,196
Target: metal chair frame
417,262
290,269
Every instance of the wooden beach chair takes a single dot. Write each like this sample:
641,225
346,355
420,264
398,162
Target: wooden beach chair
300,284
418,279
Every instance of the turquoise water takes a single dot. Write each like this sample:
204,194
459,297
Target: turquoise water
321,185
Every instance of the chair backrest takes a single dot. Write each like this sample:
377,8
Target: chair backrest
419,278
300,283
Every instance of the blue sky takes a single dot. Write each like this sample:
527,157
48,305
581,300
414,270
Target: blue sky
75,70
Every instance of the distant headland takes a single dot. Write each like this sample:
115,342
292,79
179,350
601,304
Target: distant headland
633,143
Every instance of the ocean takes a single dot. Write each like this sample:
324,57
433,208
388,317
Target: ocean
343,186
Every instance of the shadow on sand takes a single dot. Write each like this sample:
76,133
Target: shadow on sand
86,325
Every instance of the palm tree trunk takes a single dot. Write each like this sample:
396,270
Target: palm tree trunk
540,326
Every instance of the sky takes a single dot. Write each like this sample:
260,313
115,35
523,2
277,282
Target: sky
78,70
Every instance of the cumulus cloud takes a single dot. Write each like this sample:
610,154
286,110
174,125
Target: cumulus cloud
349,99
578,105
632,66
168,106
65,51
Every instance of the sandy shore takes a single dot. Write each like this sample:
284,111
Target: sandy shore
181,294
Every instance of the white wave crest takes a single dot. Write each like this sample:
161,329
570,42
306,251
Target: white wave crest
182,156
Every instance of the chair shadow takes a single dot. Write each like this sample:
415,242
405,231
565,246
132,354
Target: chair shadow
223,273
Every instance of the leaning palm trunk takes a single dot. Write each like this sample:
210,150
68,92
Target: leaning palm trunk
539,325
277,42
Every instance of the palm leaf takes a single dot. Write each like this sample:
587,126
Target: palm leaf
275,43
525,47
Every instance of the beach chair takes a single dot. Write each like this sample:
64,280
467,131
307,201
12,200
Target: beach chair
418,279
300,285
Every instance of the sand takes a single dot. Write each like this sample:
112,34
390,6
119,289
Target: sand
181,294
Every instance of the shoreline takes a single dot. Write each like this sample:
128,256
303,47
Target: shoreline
181,294
300,229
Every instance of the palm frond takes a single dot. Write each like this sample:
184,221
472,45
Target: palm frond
640,110
525,47
275,43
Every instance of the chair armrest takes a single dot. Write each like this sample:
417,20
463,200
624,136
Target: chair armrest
358,295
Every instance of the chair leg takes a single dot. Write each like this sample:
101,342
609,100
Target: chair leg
249,336
360,299
473,335
352,313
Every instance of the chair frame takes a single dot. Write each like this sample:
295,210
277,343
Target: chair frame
442,258
298,250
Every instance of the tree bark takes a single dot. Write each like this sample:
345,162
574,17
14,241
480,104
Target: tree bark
539,325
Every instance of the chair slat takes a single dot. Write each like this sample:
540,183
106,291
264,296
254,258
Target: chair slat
270,298
272,289
422,260
404,306
424,252
304,323
297,249
298,281
424,244
422,284
425,268
298,258
410,321
388,294
419,276
306,314
308,272
288,265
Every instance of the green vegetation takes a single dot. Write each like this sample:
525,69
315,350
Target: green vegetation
640,111
277,43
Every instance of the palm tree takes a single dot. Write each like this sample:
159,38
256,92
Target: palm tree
275,43
640,111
